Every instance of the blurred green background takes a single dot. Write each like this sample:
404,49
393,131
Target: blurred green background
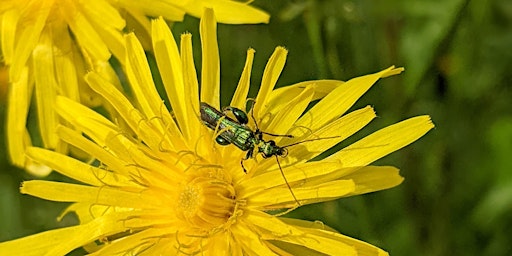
457,195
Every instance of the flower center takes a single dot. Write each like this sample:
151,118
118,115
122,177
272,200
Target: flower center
206,202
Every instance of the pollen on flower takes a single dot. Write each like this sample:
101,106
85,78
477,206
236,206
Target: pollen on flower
206,202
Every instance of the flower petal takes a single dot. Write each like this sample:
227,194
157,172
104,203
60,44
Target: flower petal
134,243
73,138
75,113
283,95
319,230
67,192
281,121
8,24
312,144
45,91
227,11
77,170
321,241
27,39
67,61
269,225
107,21
271,73
249,241
374,178
168,59
64,240
141,81
85,33
170,10
210,72
384,141
340,100
17,111
240,96
303,171
277,198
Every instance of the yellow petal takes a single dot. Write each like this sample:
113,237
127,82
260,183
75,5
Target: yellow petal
140,25
283,95
78,115
269,223
170,10
283,120
271,73
168,59
45,91
151,134
67,192
325,232
303,171
384,141
190,82
282,197
134,242
85,33
102,155
17,110
240,96
227,11
107,21
311,146
249,241
210,72
66,60
77,170
27,39
340,100
374,178
321,243
64,240
8,24
141,80
116,98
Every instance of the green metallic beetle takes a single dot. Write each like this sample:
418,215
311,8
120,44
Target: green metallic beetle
239,134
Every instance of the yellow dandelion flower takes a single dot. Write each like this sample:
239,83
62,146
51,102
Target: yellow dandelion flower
164,186
49,44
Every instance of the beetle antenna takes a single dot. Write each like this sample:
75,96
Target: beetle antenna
286,180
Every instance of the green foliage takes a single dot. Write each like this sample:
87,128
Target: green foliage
457,195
